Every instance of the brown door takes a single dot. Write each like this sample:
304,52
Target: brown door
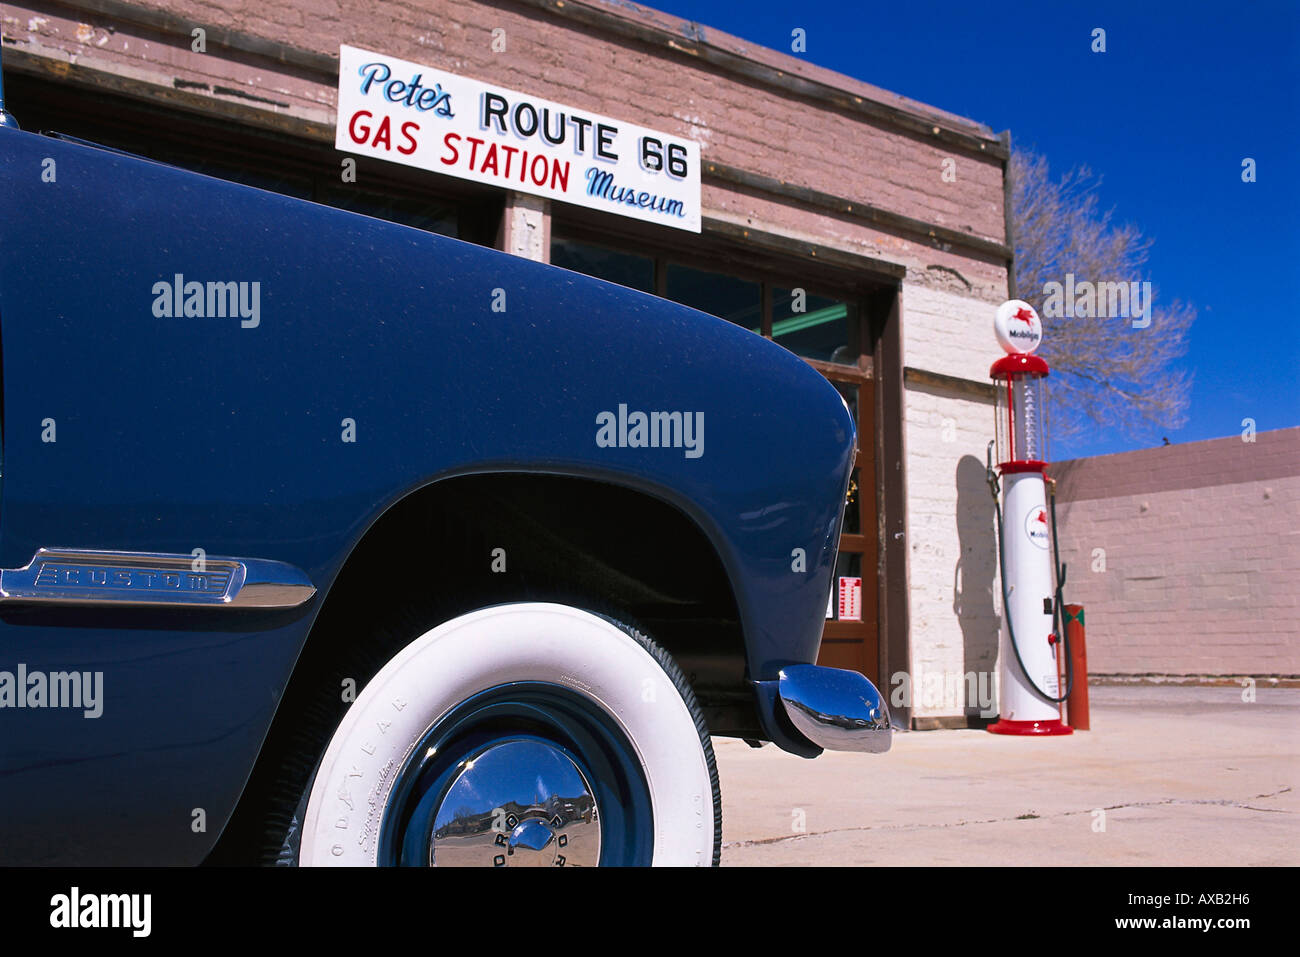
850,637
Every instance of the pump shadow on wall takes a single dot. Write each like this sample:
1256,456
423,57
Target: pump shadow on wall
973,583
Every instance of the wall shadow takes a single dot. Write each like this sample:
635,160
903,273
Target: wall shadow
974,578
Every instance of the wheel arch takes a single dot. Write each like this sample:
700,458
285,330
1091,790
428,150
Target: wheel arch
661,570
578,502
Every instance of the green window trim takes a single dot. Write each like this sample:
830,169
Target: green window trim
809,319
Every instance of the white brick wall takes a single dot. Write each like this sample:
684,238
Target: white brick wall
949,333
951,556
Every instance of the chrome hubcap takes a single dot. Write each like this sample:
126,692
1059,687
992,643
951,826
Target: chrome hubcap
519,803
524,773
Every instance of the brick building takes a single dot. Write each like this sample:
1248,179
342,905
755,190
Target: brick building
864,231
1187,557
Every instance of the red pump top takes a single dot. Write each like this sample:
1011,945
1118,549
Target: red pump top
1019,363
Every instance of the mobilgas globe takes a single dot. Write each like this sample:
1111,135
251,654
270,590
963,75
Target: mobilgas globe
1017,326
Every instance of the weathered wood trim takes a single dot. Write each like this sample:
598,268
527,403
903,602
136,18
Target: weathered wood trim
690,43
949,383
172,24
802,249
157,88
863,212
893,612
949,722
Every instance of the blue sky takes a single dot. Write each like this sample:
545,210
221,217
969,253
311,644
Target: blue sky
1166,115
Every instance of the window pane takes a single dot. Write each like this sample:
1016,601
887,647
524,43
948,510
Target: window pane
625,269
848,564
433,217
815,327
736,300
297,187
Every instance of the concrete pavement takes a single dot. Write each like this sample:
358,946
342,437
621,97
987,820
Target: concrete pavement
1167,775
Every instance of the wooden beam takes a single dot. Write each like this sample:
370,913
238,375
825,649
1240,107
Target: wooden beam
157,88
689,44
859,372
166,22
949,383
933,235
802,249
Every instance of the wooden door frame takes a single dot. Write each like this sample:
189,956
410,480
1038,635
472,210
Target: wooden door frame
864,542
893,609
880,368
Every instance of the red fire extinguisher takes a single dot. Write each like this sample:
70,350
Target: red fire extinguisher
1077,703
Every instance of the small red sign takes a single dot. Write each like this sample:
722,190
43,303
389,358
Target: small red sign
850,599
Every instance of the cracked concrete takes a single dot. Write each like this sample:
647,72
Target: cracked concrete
1168,775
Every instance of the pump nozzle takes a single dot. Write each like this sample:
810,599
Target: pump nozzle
990,474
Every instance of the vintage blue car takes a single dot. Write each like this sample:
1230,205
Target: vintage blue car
328,541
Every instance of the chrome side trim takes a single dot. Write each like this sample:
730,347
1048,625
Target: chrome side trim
835,709
75,576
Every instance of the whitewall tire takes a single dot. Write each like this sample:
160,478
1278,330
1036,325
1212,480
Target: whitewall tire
529,733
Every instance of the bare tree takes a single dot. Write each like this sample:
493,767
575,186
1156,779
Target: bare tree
1108,370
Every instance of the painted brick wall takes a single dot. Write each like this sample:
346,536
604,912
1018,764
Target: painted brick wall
739,122
951,551
950,331
1187,557
551,57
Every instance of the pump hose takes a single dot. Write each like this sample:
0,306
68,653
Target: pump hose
1057,605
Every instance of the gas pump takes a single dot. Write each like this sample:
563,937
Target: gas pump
1032,640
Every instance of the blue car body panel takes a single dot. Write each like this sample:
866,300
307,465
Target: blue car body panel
173,434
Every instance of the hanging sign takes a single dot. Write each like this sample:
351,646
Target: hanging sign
418,116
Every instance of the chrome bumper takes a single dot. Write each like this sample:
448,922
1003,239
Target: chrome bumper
835,709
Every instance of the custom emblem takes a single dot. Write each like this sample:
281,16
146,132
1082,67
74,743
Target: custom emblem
91,577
